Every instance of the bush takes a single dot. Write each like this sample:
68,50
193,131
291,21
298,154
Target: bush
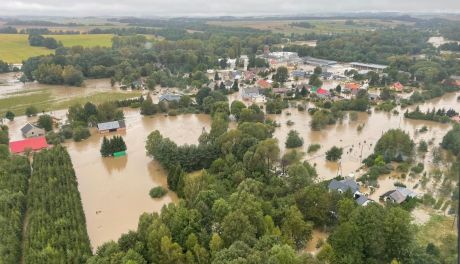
45,122
294,140
9,115
67,132
172,113
418,169
54,138
31,111
313,148
334,154
81,133
158,192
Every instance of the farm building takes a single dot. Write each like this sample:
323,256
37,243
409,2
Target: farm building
368,66
170,97
34,144
30,130
111,126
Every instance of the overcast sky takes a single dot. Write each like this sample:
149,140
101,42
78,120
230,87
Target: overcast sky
216,7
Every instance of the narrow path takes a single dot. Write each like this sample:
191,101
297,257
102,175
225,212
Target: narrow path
25,221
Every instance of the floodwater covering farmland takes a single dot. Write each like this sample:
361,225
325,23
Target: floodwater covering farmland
114,191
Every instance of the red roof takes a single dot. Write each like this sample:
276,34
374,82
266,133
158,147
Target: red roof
35,143
321,91
398,86
263,84
352,86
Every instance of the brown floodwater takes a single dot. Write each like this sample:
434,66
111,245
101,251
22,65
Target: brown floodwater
114,191
10,86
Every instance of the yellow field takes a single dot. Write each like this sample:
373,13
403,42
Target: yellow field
14,48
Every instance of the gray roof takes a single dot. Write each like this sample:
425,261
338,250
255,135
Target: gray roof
406,192
111,125
170,97
250,90
362,200
344,185
316,61
398,197
369,65
27,128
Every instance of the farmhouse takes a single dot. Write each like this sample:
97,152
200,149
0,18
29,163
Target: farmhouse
30,130
34,144
111,126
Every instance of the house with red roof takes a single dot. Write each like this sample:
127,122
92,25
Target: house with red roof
397,86
352,87
322,93
34,144
263,84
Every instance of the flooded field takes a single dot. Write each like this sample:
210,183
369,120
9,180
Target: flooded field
9,86
115,191
357,144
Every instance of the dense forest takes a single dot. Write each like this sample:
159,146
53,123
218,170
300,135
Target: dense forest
56,229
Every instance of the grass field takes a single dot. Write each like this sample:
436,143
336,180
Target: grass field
43,100
320,26
14,48
436,229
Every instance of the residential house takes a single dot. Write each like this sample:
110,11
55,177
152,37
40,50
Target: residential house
111,126
298,74
322,93
351,87
250,93
249,75
344,185
228,84
397,87
30,130
363,200
34,144
170,97
263,84
399,195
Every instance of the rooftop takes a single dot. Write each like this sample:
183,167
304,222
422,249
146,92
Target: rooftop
369,65
111,125
20,146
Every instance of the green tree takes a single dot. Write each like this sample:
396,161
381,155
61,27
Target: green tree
281,75
71,76
45,122
293,140
105,148
296,232
394,145
31,111
334,154
9,115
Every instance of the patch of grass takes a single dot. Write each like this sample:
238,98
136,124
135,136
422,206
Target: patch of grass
103,40
44,101
14,48
158,192
435,230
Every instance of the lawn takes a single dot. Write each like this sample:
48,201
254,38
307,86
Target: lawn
14,48
45,101
436,229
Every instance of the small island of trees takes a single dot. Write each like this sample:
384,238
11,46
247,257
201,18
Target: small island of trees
111,146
